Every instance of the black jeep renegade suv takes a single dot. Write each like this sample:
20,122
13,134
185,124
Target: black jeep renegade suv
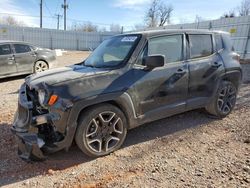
129,80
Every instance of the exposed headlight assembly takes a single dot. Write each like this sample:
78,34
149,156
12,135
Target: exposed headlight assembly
45,100
41,97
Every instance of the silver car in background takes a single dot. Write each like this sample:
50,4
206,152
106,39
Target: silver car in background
18,58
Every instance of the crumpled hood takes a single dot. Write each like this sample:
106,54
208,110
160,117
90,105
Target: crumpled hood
58,75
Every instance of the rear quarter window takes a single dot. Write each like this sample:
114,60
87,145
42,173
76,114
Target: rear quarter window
200,45
218,42
5,49
227,41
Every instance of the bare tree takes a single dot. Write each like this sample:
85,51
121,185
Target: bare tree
152,14
115,28
139,26
102,29
198,19
230,14
9,20
158,14
165,12
244,8
88,27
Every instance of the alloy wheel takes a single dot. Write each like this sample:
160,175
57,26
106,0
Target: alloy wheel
226,99
41,66
104,132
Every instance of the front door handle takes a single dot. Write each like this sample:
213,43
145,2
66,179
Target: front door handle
180,71
216,65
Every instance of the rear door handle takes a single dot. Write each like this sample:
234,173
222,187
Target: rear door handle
11,58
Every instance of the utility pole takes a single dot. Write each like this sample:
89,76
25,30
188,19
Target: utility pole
58,20
65,7
41,14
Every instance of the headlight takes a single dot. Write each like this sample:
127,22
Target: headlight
41,97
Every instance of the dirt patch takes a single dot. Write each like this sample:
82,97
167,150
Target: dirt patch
186,150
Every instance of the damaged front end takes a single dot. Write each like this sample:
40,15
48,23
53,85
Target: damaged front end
40,128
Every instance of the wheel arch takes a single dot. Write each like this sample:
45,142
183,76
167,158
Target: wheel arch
234,76
120,100
123,102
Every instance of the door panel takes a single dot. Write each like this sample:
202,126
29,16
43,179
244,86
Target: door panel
162,89
205,66
203,76
24,58
7,61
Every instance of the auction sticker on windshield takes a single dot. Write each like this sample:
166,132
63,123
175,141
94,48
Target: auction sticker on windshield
129,39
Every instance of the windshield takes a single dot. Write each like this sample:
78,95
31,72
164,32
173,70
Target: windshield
113,52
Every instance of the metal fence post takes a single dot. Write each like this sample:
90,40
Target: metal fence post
77,44
248,38
23,35
51,42
210,25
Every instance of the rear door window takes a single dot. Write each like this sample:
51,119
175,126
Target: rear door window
200,45
5,49
21,48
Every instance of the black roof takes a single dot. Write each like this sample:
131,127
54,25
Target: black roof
150,33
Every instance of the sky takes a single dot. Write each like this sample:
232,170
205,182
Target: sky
126,13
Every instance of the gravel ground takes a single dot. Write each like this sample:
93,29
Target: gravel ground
186,150
246,72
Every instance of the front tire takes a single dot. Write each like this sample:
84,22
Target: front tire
102,129
224,100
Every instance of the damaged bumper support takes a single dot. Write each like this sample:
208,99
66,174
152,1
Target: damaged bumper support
29,147
31,144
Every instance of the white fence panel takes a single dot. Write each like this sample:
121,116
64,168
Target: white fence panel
54,39
239,27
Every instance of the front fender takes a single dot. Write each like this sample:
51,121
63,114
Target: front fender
121,99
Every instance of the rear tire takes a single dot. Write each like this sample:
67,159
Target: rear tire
102,129
40,66
224,100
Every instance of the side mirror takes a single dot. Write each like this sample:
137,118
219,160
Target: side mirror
154,61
